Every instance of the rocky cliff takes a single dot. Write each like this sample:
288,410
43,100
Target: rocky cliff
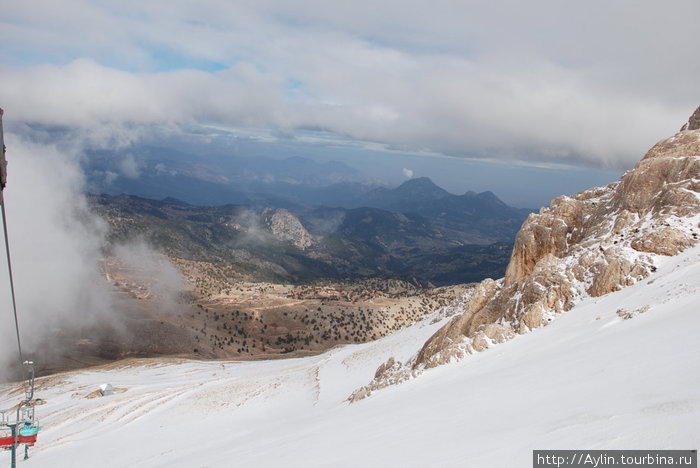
589,244
694,121
285,226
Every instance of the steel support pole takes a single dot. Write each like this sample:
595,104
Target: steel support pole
13,428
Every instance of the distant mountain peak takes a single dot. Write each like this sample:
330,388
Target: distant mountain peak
490,196
420,180
421,186
483,212
487,198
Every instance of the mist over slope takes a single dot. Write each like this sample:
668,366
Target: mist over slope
57,244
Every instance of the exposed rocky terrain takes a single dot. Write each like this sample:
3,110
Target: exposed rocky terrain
589,244
216,313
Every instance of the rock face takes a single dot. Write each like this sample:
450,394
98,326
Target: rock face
285,226
693,122
589,244
592,243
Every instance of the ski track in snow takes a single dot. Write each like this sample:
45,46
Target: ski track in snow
589,380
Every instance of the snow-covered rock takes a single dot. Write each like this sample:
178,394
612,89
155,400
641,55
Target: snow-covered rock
590,244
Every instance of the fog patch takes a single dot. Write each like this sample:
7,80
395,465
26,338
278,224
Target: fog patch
137,269
110,177
324,223
251,229
58,254
55,243
129,167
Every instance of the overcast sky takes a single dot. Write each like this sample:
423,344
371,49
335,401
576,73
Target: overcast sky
589,83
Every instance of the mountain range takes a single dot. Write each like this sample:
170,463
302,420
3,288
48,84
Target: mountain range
203,178
323,242
185,202
218,207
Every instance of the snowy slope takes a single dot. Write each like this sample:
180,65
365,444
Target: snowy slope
588,380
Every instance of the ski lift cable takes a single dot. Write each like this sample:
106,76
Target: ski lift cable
12,285
3,181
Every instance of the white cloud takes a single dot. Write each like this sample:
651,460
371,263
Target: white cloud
540,81
408,173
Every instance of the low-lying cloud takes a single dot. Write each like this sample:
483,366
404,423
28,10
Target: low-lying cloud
54,242
457,108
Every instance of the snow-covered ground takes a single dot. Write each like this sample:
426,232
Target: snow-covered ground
589,380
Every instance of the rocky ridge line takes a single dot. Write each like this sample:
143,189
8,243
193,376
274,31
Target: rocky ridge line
589,244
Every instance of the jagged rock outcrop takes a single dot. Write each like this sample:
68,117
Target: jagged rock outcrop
694,121
285,226
589,244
